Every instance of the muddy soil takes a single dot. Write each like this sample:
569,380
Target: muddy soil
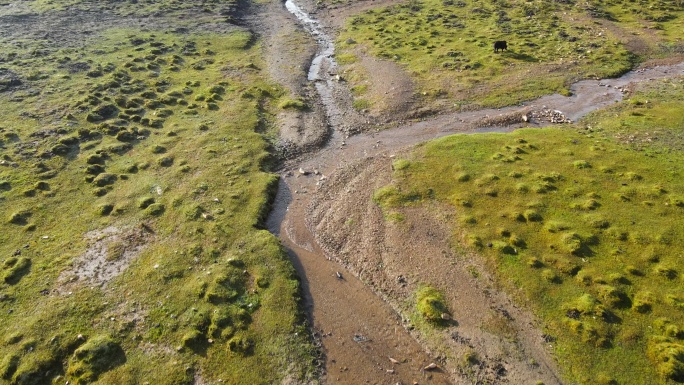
359,272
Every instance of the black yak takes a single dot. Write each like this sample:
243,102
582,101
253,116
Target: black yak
500,45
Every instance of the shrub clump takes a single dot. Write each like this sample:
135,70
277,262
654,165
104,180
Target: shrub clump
8,366
532,216
145,202
555,226
241,345
676,201
105,179
572,243
581,164
105,209
463,177
155,209
165,161
613,297
551,276
468,220
643,302
292,104
431,304
504,247
668,357
665,271
19,217
401,164
93,358
14,268
192,339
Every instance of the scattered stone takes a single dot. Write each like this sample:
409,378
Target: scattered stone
547,115
303,172
392,360
360,338
432,366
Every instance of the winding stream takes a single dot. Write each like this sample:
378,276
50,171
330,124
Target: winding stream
360,334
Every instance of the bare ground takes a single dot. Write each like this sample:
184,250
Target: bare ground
110,251
395,258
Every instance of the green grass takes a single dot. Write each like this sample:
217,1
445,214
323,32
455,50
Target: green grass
447,45
594,242
137,9
430,305
110,158
293,104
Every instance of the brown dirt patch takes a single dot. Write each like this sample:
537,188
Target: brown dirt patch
395,258
109,252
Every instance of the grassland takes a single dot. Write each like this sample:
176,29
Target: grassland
446,46
133,182
584,222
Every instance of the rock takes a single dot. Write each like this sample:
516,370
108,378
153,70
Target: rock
350,41
432,366
392,360
303,172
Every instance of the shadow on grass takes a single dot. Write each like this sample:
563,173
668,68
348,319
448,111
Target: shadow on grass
18,271
521,56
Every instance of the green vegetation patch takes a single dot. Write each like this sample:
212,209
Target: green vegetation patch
602,267
447,45
431,305
132,246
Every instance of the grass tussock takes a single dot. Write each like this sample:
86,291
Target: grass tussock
431,305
